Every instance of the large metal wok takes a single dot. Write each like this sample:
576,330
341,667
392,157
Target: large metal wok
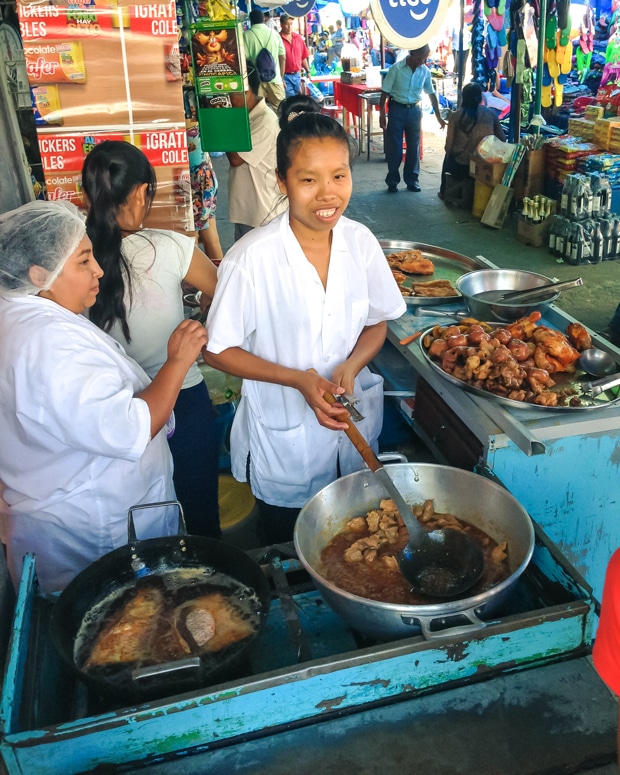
132,564
469,496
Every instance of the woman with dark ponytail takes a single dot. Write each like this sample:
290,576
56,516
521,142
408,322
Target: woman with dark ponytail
466,128
140,303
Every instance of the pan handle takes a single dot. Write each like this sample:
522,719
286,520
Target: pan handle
131,528
187,666
425,623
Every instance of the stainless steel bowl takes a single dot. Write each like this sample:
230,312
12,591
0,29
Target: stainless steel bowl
472,284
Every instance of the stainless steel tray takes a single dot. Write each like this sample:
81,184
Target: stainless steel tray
562,380
448,266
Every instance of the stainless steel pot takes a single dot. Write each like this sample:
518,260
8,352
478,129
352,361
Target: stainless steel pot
472,284
469,496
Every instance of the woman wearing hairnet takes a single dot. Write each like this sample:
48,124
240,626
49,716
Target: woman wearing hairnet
83,426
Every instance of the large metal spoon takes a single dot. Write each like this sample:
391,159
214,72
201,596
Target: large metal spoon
597,362
529,294
439,563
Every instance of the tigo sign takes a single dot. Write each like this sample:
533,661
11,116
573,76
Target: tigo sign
409,24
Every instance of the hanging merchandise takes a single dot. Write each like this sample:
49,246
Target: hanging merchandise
558,54
585,44
494,11
409,25
479,65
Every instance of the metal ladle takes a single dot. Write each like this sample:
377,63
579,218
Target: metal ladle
598,363
439,563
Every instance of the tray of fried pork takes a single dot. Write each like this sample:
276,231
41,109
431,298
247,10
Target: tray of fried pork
525,365
426,273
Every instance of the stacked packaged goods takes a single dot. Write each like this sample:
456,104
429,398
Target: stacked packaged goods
582,128
562,156
586,231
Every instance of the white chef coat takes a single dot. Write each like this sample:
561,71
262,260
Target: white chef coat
75,448
270,301
253,194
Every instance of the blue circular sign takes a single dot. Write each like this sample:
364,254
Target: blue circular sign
298,7
409,24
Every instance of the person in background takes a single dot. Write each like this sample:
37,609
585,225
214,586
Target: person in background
606,651
269,21
461,47
253,195
300,309
83,426
203,182
140,302
337,38
404,84
466,128
296,55
260,36
612,332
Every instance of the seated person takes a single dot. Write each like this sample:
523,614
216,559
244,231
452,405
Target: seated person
466,128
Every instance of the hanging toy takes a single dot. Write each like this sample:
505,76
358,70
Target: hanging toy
530,34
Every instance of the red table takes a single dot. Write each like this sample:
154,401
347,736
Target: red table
348,95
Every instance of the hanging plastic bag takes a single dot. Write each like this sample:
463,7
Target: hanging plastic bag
493,150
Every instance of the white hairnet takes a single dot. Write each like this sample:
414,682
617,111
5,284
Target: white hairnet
41,234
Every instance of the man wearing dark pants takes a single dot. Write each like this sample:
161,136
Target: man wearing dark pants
404,84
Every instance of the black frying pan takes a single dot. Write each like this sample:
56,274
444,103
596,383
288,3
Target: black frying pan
134,563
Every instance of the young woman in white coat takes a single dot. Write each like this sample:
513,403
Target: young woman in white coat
300,308
140,302
83,426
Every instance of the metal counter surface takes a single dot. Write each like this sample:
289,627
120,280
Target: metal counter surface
562,467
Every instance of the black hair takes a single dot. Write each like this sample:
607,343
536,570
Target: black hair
257,17
110,173
253,78
307,126
294,106
470,100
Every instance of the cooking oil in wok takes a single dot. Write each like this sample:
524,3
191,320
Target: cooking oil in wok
167,616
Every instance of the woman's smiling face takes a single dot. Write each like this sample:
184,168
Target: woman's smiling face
77,286
318,184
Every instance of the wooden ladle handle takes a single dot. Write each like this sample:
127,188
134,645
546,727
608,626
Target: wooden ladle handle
358,441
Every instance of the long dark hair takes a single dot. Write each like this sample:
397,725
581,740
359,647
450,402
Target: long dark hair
110,173
307,126
470,100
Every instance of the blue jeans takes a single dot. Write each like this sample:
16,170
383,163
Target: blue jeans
292,84
196,461
402,121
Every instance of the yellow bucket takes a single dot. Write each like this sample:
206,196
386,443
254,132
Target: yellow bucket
482,194
238,512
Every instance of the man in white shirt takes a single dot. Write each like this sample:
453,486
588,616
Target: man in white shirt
253,194
260,36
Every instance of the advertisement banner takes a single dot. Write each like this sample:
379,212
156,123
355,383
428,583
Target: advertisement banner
409,24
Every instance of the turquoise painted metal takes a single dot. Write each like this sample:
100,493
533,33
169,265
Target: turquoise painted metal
550,618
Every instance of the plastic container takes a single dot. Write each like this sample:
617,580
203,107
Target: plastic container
482,194
238,513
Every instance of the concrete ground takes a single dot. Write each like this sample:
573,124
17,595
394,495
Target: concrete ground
425,218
